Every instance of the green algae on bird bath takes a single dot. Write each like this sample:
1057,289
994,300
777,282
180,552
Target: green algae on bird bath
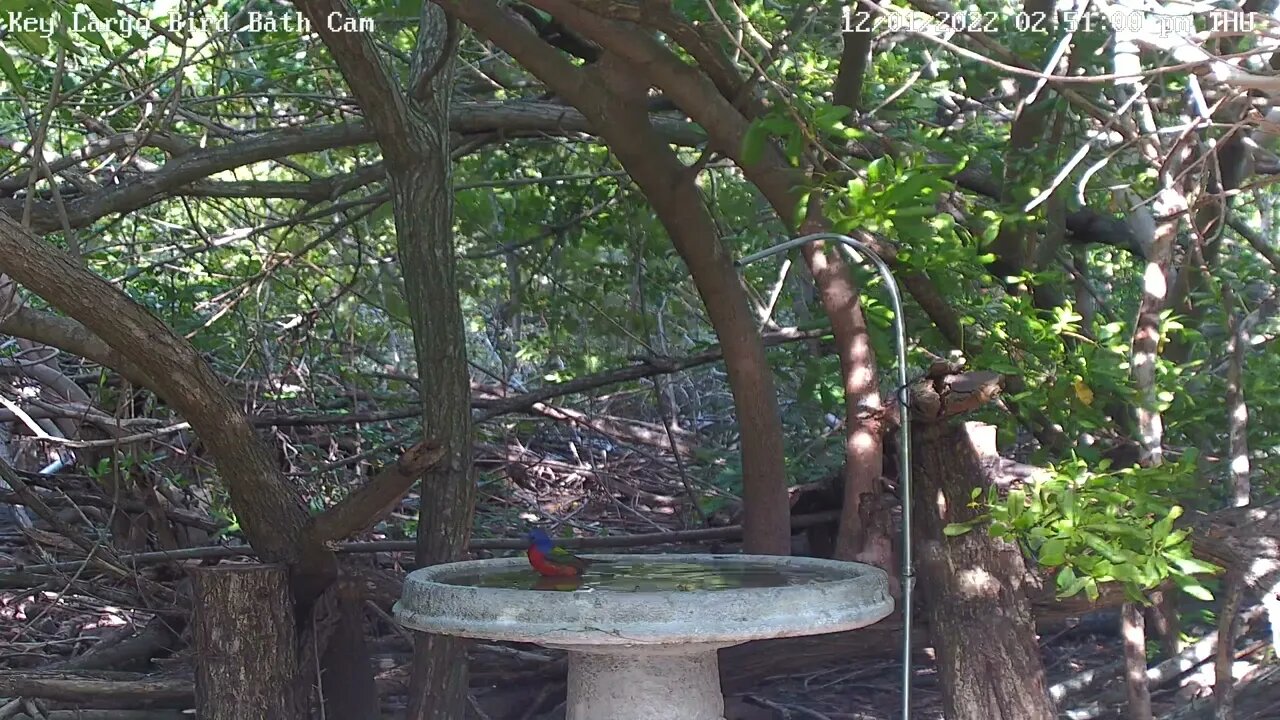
642,575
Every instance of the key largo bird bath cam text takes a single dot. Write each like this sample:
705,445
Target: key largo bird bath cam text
642,631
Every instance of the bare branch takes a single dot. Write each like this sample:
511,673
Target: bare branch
368,504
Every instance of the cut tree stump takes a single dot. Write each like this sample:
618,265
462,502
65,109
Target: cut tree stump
246,644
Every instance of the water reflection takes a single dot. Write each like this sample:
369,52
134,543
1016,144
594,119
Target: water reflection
653,576
556,584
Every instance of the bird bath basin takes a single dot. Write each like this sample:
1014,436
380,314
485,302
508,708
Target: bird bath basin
642,631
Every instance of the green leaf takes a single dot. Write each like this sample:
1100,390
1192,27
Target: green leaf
1125,572
1120,529
1198,592
1015,504
879,169
753,143
1053,552
1161,529
1134,595
1069,584
917,211
795,147
828,115
1193,588
956,529
1066,576
1176,537
801,210
104,9
34,42
96,38
412,8
1112,553
8,68
1191,566
1091,589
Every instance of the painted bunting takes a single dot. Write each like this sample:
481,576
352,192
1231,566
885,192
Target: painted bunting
552,561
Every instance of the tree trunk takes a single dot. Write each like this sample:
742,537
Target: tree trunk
1134,633
864,426
863,532
676,198
347,685
412,130
422,195
974,591
612,93
246,649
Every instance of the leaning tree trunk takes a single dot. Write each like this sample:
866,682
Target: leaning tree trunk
673,191
863,533
611,93
974,585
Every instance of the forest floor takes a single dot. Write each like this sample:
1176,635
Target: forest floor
73,619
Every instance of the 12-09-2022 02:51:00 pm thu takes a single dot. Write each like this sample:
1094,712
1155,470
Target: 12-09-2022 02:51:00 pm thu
857,18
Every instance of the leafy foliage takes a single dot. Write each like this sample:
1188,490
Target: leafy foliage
565,271
1100,527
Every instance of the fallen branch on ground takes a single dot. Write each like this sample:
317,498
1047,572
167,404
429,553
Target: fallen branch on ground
90,688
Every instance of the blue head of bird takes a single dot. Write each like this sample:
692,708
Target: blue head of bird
539,539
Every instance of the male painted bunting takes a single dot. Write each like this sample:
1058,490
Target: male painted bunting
552,561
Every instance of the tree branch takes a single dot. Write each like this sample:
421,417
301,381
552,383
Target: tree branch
520,40
72,337
269,508
368,504
142,190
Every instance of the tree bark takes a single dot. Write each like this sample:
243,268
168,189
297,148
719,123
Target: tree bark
1015,243
1137,689
246,649
423,199
348,687
862,534
864,422
1146,334
1224,682
412,130
975,591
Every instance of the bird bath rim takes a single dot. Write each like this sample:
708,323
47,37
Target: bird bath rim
576,619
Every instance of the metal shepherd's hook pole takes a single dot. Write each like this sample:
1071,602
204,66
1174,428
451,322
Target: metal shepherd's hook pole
856,249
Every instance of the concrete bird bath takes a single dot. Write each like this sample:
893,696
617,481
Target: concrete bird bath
642,631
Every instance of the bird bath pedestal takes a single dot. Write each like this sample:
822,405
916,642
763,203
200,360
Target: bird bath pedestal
642,631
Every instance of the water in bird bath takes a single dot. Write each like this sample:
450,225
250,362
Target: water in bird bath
721,573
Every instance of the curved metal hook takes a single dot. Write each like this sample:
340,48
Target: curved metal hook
856,249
